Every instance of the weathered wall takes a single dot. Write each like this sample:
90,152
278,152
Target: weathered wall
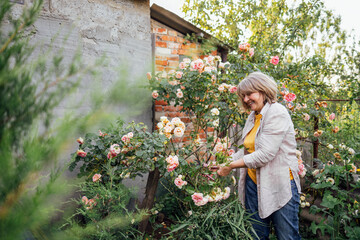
119,29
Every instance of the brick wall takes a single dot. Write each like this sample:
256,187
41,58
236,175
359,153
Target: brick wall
170,49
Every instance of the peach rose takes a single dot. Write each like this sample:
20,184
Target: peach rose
244,47
148,75
178,132
182,65
335,130
155,94
96,177
179,93
179,74
179,182
80,140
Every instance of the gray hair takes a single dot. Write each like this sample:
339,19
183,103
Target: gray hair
257,82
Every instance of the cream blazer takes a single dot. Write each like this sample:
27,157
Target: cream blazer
274,154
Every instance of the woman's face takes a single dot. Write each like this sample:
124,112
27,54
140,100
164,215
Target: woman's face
255,101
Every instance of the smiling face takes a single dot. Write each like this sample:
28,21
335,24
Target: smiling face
255,101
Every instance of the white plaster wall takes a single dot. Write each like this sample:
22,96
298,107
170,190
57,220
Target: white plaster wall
119,29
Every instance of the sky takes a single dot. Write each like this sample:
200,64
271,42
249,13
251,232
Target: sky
347,9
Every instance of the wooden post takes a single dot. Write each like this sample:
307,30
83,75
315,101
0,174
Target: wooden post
148,202
316,142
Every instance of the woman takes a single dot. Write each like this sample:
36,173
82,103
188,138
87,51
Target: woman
269,184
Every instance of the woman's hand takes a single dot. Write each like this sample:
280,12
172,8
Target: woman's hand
224,171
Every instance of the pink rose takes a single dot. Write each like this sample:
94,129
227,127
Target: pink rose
182,65
171,167
130,134
91,204
155,94
197,64
84,200
115,149
244,47
197,197
301,167
101,134
274,60
219,147
125,139
96,177
80,140
148,75
231,152
306,117
179,74
233,89
290,97
251,52
179,182
81,153
332,116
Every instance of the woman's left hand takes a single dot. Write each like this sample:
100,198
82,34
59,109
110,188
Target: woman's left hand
224,171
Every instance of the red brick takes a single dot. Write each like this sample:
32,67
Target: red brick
174,58
160,102
202,135
214,53
158,108
193,45
174,45
158,57
174,52
159,68
160,30
173,33
210,129
181,52
167,69
173,63
171,108
161,62
168,38
185,46
185,119
161,44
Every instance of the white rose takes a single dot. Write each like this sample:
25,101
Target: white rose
215,112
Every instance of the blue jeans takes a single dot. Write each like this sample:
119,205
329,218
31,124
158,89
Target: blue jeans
285,220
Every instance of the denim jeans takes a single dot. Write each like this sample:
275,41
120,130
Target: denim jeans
285,220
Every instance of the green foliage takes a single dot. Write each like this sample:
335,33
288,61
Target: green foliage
117,152
31,140
335,186
103,212
226,220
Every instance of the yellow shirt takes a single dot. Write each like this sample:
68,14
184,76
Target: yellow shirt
249,144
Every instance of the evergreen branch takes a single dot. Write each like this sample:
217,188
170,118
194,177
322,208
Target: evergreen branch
11,38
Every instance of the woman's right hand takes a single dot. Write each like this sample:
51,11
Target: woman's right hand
224,171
